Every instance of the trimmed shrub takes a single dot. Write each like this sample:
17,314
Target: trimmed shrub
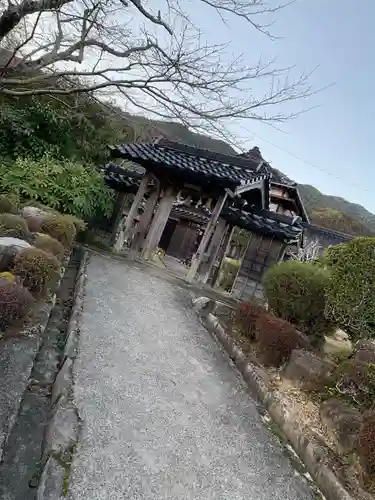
9,203
245,318
366,442
350,294
48,244
37,269
14,226
60,228
296,292
355,381
15,302
79,224
277,339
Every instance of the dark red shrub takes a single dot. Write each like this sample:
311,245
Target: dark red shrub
245,318
366,442
277,338
15,302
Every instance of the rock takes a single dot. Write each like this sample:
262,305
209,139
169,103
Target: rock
340,335
8,241
9,248
34,217
204,305
308,370
365,352
32,211
343,423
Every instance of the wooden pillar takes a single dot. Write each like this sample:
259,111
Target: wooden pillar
212,251
226,246
197,258
145,220
120,204
125,231
158,222
265,202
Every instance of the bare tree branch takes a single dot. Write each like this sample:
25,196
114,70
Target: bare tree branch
10,17
152,61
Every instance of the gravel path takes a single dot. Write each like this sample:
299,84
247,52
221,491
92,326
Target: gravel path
164,414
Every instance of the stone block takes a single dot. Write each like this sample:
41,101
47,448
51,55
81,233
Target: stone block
308,370
71,346
62,430
51,485
16,361
63,380
342,422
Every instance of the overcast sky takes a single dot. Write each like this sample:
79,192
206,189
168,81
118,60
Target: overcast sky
338,136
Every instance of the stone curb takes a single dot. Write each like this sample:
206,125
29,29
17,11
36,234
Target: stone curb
62,430
32,337
304,444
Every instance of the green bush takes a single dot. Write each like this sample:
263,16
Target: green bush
277,339
37,269
14,226
48,244
63,185
15,302
9,203
296,292
60,228
350,294
366,442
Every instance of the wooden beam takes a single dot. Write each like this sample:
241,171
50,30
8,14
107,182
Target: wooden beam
158,222
197,258
145,220
127,226
212,250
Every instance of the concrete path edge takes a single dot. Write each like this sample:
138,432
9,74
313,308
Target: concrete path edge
305,445
62,432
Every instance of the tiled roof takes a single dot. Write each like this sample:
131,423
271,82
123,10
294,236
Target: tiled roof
122,179
262,221
192,164
336,237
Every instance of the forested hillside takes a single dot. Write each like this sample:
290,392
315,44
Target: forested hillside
80,128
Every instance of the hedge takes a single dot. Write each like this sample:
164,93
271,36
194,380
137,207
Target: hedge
351,291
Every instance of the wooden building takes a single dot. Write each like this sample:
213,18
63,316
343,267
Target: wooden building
207,194
187,201
270,234
177,173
